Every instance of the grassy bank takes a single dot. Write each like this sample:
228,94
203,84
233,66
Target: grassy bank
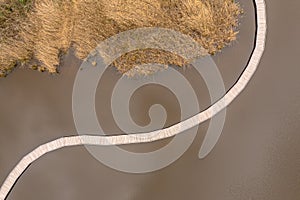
35,33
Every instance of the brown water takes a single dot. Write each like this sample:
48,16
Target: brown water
257,156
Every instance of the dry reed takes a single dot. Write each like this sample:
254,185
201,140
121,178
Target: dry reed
43,30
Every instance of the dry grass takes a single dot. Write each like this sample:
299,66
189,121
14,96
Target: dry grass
50,32
13,48
43,30
140,57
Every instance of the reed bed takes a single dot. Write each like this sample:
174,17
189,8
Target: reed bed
37,33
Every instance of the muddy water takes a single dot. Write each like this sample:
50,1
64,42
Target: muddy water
257,156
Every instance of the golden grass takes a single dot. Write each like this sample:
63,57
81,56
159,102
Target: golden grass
140,57
51,36
13,48
43,30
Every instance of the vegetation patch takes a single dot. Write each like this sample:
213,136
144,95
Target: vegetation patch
36,33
